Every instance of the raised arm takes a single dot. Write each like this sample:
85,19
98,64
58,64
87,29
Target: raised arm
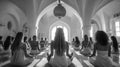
51,49
25,51
109,51
94,51
67,52
82,45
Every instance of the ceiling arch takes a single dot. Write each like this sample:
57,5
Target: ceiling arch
59,23
6,7
81,6
51,7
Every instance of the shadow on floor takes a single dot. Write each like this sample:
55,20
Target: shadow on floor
49,65
11,65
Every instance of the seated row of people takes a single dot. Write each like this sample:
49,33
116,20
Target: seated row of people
19,53
85,46
37,46
6,44
21,49
59,49
103,49
33,44
107,52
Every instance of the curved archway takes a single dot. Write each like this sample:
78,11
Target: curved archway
11,9
94,28
93,21
9,12
59,23
50,7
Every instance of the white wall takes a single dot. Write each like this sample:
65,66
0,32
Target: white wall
10,12
72,22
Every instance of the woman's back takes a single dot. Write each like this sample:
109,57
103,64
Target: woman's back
56,50
60,46
34,45
102,48
18,56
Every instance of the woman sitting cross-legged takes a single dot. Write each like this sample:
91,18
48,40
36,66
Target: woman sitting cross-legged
19,54
115,50
102,47
86,46
35,49
60,47
77,44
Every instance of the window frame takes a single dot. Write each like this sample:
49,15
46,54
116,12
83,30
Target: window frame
117,28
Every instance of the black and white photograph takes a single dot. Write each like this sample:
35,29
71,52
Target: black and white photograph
59,33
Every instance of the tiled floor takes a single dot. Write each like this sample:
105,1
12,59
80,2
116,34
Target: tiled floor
78,60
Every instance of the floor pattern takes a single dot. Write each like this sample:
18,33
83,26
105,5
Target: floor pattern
40,60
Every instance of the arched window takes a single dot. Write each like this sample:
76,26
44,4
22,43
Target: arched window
64,30
91,31
117,28
53,33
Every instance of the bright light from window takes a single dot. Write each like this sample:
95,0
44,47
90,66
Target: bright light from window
53,33
117,29
64,30
117,26
91,31
59,27
65,33
118,33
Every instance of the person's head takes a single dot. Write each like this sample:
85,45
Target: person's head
73,39
29,39
34,37
7,42
59,41
77,40
17,41
41,38
12,38
25,38
101,38
0,37
45,39
115,43
85,37
91,39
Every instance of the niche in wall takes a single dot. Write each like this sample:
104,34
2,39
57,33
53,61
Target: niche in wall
9,25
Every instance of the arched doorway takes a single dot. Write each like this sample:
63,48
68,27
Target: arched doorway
51,7
61,24
53,31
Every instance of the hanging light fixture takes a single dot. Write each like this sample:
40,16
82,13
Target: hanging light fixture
59,10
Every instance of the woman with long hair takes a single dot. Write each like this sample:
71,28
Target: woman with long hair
102,48
115,49
77,42
60,47
7,42
1,44
19,54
